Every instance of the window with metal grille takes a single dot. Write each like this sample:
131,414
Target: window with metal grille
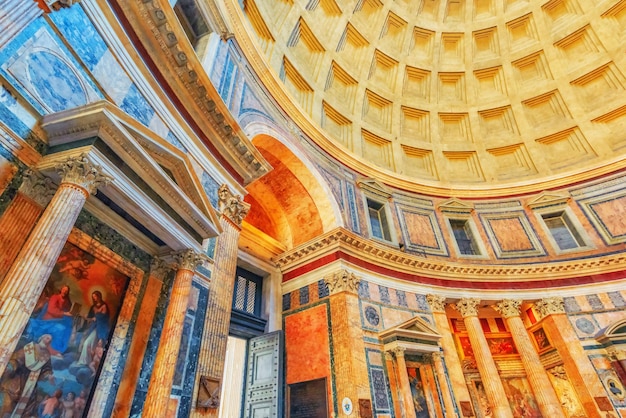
247,293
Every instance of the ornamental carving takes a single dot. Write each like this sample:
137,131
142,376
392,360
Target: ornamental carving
232,206
468,307
37,187
547,306
159,268
437,303
508,307
188,260
342,281
50,5
82,172
397,352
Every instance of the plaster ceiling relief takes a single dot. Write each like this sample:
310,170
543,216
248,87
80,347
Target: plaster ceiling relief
480,95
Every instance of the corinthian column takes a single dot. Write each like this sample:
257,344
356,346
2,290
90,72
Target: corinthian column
21,215
443,384
215,335
169,344
576,362
484,361
27,276
405,385
450,355
547,400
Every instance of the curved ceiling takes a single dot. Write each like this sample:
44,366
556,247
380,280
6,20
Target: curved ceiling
484,94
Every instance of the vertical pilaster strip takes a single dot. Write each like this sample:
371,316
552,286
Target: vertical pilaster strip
576,363
450,355
162,375
545,395
405,385
27,276
21,215
215,335
443,385
484,361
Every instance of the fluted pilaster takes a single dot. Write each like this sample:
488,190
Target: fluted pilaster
484,361
443,385
405,384
169,344
27,276
547,401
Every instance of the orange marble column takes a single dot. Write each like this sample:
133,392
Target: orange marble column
547,401
450,355
443,385
484,361
162,375
20,217
405,385
27,276
350,364
576,362
215,334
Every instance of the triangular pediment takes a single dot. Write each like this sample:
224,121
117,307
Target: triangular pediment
548,198
456,205
375,187
415,335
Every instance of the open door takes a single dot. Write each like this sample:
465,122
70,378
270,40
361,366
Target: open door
264,377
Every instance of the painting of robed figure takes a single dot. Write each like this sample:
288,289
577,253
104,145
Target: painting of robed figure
57,360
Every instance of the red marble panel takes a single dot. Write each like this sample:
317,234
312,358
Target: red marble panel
307,345
420,230
612,214
510,234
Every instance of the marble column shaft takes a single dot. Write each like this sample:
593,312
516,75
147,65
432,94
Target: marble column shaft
484,361
450,355
576,362
164,367
215,334
405,385
547,401
29,273
17,14
443,385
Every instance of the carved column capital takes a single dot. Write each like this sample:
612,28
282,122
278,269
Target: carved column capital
188,260
548,306
231,206
37,187
52,5
398,352
342,281
437,302
615,354
159,268
508,307
83,173
468,307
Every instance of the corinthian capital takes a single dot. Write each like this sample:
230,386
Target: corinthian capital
341,281
232,206
159,268
508,307
468,307
37,187
188,260
83,173
552,305
50,5
437,303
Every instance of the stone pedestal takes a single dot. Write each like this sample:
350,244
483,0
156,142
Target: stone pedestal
484,361
169,344
547,400
576,363
27,277
215,334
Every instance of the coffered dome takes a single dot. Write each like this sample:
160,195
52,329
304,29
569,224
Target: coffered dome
477,95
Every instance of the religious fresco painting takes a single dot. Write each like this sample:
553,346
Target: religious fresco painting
541,339
521,399
417,392
58,357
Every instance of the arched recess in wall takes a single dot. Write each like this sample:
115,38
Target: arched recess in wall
289,204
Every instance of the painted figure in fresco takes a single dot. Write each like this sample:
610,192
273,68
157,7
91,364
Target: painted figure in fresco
99,316
55,319
80,403
417,392
51,406
28,365
68,405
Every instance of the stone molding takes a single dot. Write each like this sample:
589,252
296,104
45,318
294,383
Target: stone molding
437,303
37,187
508,307
159,268
83,173
468,307
548,306
231,205
342,281
188,260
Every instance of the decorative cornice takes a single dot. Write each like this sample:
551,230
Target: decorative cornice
38,188
508,307
548,306
468,307
81,172
342,281
437,303
232,206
